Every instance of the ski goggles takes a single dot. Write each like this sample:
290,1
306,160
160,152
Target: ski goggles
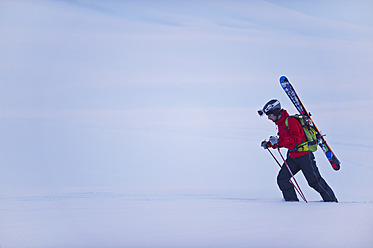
268,109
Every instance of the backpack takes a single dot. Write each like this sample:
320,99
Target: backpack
310,144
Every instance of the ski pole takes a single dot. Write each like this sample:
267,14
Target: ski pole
300,191
296,186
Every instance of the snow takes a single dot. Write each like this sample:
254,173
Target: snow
133,124
163,219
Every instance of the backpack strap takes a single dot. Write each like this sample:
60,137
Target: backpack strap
287,121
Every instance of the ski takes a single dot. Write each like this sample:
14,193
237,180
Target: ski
289,90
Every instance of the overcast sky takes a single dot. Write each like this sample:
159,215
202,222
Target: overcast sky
165,93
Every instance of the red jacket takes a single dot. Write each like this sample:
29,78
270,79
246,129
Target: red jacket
290,137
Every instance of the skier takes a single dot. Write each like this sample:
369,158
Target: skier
289,137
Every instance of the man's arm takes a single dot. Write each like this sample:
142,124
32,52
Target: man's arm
295,135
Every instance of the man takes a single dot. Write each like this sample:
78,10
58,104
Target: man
290,137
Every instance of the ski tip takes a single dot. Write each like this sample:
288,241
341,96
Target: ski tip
283,79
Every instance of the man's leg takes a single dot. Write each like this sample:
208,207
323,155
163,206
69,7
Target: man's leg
314,179
283,180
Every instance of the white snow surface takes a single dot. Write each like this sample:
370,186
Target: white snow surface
179,219
133,124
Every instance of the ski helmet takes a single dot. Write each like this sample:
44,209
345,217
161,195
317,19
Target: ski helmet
271,107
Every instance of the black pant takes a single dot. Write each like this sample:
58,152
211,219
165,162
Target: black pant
307,164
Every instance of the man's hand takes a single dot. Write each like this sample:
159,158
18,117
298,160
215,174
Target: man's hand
265,144
273,140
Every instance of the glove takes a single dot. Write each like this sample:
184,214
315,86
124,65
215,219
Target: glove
273,140
265,144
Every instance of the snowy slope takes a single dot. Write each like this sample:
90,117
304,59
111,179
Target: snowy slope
161,219
133,124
